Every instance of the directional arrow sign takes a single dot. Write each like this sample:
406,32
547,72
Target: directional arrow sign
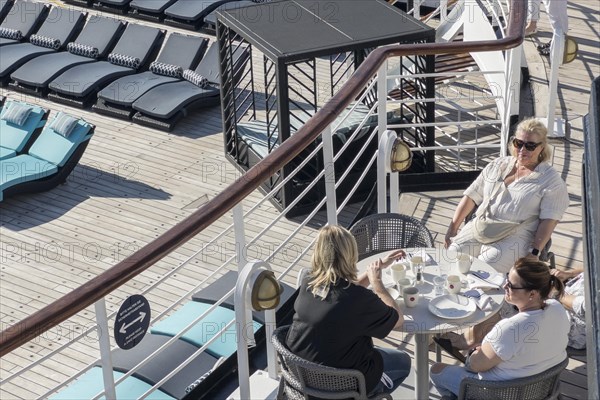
132,321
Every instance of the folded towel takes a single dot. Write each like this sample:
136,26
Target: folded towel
482,300
484,280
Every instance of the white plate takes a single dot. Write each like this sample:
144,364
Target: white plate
452,306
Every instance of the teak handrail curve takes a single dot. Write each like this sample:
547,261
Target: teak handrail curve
98,287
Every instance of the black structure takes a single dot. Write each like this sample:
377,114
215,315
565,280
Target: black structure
298,40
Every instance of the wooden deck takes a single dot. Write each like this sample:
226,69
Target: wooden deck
134,183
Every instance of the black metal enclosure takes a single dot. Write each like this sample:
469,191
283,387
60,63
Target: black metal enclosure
296,46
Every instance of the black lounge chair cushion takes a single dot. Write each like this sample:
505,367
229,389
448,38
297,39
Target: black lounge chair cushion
193,10
12,34
45,41
163,69
83,50
151,6
165,362
16,113
24,17
195,78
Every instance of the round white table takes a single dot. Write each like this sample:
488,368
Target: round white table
421,322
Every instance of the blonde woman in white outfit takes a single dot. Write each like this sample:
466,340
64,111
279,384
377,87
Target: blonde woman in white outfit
523,189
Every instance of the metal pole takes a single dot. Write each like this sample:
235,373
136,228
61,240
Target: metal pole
329,176
558,47
105,355
270,325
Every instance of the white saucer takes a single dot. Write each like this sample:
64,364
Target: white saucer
452,306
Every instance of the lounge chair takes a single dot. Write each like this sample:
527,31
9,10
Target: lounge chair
190,14
22,21
5,6
114,6
94,42
179,53
79,85
15,138
80,3
151,10
210,20
164,105
58,30
49,161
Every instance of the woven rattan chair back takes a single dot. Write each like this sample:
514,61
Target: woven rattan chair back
302,379
544,385
383,232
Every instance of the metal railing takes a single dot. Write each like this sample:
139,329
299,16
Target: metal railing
232,199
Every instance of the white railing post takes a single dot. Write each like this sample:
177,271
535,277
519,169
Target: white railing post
105,355
240,235
270,325
382,127
558,48
329,176
511,94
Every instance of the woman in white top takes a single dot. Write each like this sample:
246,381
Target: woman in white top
574,301
522,188
532,341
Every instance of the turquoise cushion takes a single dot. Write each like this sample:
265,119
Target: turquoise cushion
23,168
6,153
16,137
91,383
57,149
204,329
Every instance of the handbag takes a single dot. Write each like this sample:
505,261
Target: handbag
488,229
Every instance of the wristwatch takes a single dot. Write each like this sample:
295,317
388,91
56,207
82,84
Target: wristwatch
535,252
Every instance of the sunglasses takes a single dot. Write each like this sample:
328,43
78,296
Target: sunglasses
513,287
530,146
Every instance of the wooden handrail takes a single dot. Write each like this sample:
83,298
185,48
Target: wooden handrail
98,287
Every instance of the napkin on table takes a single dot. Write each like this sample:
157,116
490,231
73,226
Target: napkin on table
482,300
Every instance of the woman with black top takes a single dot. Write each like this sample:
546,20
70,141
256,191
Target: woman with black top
337,316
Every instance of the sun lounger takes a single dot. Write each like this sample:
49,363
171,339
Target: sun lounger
94,42
5,6
190,14
22,20
210,20
151,10
164,363
91,383
179,53
80,3
114,6
16,138
78,86
59,29
163,106
50,159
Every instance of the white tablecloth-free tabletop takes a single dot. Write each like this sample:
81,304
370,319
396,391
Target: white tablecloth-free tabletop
421,322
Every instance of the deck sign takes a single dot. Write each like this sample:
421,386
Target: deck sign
132,321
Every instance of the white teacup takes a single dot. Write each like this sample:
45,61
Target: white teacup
411,296
398,270
404,283
453,284
463,261
414,261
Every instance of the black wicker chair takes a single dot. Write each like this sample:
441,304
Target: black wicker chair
301,379
382,232
541,386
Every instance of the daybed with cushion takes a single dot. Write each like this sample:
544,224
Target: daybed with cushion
81,3
190,14
152,10
179,53
50,159
5,6
114,6
22,21
20,124
79,85
93,43
56,32
163,106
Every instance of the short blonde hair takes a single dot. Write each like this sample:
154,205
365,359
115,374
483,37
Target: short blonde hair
334,257
535,126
